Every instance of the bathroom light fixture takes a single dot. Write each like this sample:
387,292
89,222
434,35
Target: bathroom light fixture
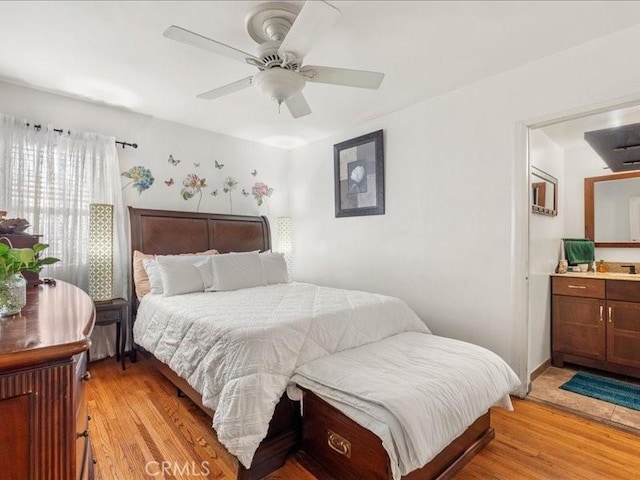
624,149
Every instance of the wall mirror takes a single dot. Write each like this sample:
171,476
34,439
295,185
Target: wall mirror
544,193
612,210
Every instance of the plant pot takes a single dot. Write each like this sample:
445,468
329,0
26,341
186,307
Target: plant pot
13,295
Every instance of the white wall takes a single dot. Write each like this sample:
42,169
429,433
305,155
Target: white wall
157,139
545,233
450,241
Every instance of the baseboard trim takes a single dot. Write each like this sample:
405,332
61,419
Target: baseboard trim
537,372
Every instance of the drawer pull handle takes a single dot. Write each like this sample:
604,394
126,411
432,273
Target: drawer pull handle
84,434
610,314
601,312
339,444
581,287
87,376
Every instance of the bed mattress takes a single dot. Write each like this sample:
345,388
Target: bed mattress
239,349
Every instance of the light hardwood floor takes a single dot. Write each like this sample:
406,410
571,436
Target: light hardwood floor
137,418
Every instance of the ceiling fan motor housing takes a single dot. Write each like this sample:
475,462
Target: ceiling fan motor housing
268,53
279,83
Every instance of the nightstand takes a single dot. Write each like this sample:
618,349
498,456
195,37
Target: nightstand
115,311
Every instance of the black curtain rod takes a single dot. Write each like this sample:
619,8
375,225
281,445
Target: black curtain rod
60,131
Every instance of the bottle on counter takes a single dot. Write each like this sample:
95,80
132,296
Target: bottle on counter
563,266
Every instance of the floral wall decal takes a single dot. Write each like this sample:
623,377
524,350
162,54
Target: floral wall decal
141,178
193,186
218,165
261,192
254,173
169,182
228,186
173,161
245,193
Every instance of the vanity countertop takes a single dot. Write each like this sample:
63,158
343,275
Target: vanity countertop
600,276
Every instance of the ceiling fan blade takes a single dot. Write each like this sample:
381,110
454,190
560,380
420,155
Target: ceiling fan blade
298,105
342,76
190,38
227,89
315,18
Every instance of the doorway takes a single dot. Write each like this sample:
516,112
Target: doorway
558,147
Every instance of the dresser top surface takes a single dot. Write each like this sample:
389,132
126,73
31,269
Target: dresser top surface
55,323
599,276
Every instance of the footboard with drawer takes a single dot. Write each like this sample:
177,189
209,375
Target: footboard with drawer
334,447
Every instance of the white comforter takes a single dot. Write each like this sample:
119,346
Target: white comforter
239,349
416,392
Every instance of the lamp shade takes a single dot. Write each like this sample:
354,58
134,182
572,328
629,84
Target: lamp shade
285,239
101,251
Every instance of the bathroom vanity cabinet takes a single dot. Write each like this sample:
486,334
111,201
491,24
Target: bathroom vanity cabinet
595,321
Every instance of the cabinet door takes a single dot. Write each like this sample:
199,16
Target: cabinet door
579,327
623,333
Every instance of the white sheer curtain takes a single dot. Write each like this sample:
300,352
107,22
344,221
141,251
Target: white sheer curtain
50,179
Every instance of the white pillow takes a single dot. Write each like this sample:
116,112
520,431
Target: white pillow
179,274
155,277
275,267
233,271
205,269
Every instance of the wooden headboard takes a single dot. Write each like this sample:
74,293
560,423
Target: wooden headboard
165,232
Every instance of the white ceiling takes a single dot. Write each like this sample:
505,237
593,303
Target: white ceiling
114,52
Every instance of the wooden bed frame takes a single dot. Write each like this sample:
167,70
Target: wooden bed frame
166,232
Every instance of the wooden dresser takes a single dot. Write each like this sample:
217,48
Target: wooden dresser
596,322
43,410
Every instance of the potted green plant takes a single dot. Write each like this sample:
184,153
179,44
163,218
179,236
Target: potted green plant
13,287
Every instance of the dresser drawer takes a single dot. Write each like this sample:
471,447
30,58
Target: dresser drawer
578,287
624,290
346,450
82,448
81,377
82,417
108,316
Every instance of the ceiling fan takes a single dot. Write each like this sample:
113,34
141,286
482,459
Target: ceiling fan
285,33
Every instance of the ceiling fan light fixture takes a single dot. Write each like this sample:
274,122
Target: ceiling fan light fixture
279,84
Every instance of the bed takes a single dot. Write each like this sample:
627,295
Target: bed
169,232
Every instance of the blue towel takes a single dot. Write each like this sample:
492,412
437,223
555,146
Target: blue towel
579,250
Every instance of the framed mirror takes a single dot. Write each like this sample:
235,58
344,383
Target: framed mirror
544,193
612,210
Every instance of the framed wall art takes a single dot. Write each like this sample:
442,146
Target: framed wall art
359,176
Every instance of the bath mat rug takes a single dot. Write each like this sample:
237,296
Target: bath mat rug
607,389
